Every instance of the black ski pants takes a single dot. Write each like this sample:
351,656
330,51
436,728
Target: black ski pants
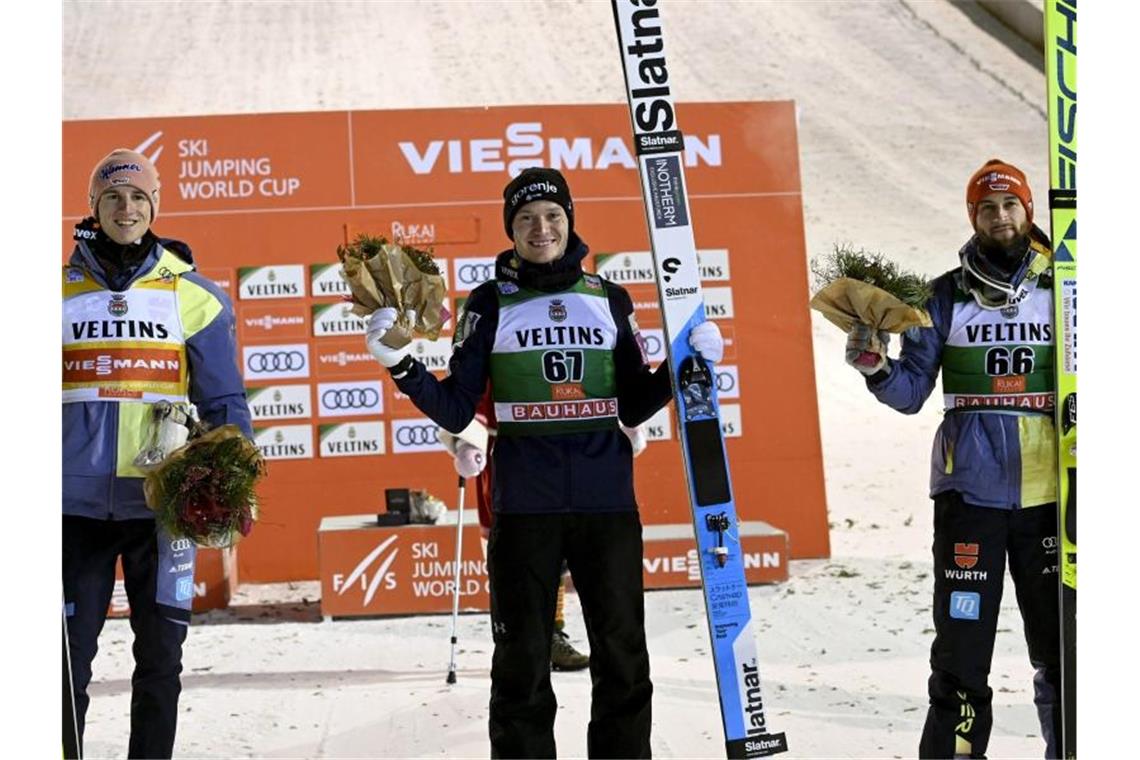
971,544
90,548
604,554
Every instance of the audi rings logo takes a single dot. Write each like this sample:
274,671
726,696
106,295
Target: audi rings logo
653,343
350,398
277,361
417,435
725,382
181,544
472,272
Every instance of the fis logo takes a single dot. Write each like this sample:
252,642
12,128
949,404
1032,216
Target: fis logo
379,576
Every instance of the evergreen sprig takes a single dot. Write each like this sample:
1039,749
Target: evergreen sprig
873,268
366,246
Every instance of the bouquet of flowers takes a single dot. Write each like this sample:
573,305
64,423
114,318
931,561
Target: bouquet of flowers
381,273
204,490
857,286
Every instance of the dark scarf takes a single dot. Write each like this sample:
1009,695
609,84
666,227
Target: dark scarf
549,278
119,262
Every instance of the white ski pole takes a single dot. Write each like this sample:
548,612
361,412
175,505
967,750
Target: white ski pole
458,578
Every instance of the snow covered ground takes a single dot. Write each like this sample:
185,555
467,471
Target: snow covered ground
899,102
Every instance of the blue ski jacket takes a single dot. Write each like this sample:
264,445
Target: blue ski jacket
999,457
564,472
101,438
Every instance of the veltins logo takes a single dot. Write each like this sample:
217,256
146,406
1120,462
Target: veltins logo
336,319
279,402
731,424
352,439
371,573
278,362
325,281
279,281
659,427
627,268
965,605
284,441
718,303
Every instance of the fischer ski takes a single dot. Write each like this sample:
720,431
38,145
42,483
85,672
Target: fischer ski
659,144
1061,86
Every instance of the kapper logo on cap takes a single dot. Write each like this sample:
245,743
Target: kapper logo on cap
115,168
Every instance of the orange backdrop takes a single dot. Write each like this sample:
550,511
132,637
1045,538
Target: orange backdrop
264,199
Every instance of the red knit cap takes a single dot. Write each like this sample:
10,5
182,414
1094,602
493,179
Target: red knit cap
125,167
996,176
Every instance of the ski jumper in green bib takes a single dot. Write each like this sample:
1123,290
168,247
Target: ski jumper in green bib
552,366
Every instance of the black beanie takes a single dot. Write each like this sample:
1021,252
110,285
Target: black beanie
536,184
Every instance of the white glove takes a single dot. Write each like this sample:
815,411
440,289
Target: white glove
867,348
469,460
707,341
379,323
637,438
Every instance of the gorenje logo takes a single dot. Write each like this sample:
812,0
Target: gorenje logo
527,146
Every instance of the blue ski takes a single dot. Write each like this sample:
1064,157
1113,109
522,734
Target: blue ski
659,145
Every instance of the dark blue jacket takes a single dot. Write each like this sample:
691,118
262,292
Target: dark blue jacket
578,472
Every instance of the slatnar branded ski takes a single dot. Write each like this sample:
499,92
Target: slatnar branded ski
1061,79
659,146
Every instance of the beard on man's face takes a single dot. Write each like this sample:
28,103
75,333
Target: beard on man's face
1004,254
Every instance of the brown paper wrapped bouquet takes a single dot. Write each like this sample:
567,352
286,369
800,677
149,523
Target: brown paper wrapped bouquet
857,286
381,273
